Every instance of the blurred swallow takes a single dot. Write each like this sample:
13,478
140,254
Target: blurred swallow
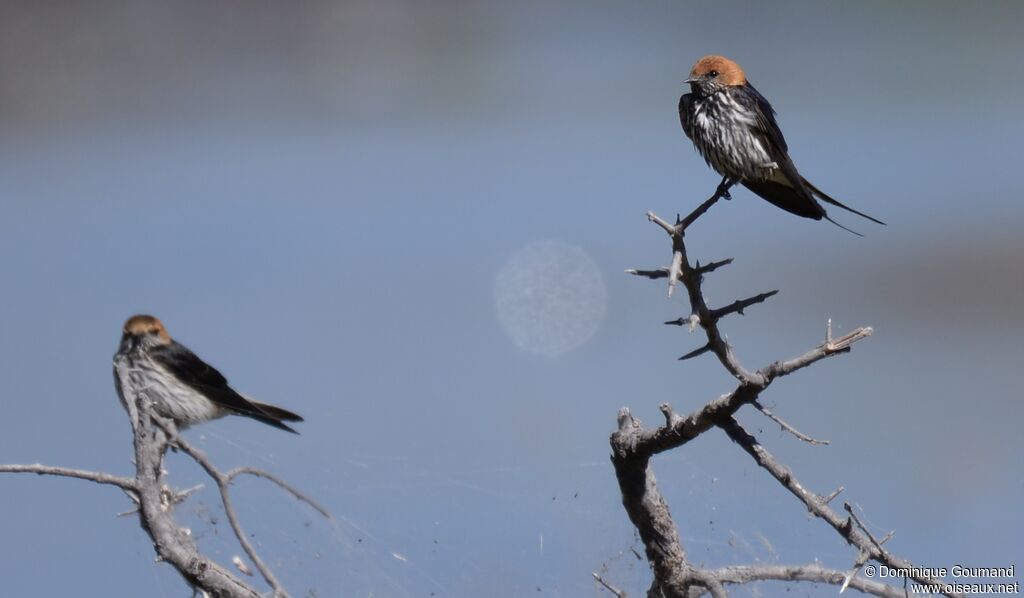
733,127
181,386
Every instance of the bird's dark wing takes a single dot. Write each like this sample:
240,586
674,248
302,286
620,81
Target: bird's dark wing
787,197
188,367
765,124
196,373
785,187
685,113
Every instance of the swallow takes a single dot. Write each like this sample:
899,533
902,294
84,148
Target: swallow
733,128
150,364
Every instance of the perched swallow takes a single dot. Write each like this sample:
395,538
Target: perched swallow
733,127
181,386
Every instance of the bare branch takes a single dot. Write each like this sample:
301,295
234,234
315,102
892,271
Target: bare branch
844,342
155,501
710,581
154,504
877,544
785,426
81,474
816,505
231,475
173,544
649,512
813,573
862,559
614,590
832,495
721,192
826,349
649,442
223,485
671,229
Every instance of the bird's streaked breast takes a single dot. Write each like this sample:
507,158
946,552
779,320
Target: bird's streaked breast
139,375
725,134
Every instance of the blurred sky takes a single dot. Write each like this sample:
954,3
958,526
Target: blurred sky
319,197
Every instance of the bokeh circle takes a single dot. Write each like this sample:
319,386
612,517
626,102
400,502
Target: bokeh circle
550,297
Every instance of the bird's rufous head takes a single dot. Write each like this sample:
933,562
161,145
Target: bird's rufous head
711,73
148,329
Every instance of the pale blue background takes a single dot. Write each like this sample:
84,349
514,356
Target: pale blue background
316,198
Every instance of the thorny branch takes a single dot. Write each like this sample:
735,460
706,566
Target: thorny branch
154,502
633,445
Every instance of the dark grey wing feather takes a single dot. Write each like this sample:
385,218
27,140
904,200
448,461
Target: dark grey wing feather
193,371
768,130
786,197
790,193
686,114
766,125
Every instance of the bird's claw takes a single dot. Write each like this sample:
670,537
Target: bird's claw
723,190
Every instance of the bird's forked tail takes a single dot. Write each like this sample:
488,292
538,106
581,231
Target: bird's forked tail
825,198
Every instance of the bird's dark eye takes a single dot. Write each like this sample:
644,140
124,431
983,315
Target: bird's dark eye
712,73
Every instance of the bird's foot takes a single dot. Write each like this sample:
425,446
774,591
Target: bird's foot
723,189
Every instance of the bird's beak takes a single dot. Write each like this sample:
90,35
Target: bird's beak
690,81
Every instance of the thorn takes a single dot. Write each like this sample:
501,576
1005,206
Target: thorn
846,581
692,321
240,564
740,305
712,266
831,497
696,352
